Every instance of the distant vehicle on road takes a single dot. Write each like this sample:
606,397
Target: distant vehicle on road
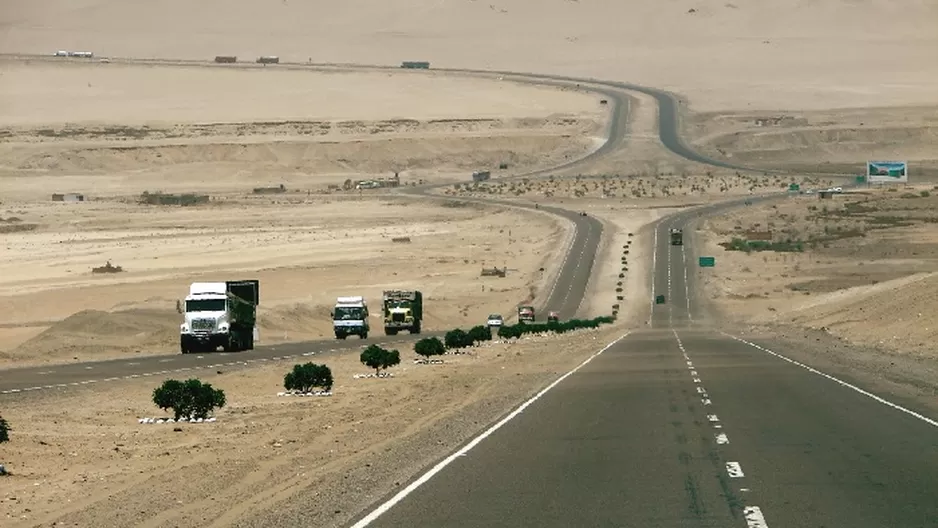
553,317
526,314
677,237
495,320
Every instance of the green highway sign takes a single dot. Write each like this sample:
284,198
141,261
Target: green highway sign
794,187
707,262
861,179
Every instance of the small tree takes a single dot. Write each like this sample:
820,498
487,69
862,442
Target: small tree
4,430
308,375
430,346
457,338
380,358
190,398
478,334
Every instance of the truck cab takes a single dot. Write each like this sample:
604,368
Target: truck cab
219,314
525,314
403,310
677,237
350,317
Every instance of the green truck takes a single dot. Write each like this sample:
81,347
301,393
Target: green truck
677,237
403,310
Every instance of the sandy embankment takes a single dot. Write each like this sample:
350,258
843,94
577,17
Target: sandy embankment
862,292
268,460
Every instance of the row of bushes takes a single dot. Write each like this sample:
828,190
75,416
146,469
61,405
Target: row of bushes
518,330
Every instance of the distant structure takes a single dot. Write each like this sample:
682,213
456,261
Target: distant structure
68,197
481,176
416,65
268,59
225,59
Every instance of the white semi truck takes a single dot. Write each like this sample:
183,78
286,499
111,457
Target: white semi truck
350,317
220,314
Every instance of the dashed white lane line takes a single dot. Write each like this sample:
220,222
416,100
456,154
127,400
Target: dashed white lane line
842,383
722,438
384,507
706,401
697,380
686,287
713,418
734,470
754,518
701,390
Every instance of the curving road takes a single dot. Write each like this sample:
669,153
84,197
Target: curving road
565,296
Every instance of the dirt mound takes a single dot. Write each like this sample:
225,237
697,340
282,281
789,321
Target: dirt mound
294,320
91,334
907,303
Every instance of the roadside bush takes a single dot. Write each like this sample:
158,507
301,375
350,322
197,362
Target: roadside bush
428,347
478,334
4,430
457,338
380,358
190,398
305,377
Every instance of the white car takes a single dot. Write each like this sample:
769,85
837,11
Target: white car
495,320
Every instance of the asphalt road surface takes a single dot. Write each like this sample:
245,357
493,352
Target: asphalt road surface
681,425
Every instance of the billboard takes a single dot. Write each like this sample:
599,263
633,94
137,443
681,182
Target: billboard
887,172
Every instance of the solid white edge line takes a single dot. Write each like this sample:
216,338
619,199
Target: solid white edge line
888,403
383,508
654,265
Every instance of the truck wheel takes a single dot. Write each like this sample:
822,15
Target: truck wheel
415,329
250,341
390,331
364,335
340,336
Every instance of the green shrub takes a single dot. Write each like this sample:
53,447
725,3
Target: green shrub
380,358
4,430
457,338
478,334
190,398
430,346
305,377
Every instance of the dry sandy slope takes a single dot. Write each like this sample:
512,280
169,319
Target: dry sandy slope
758,53
268,461
305,251
868,278
821,141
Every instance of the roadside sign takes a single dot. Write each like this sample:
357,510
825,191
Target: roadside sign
707,262
861,179
794,187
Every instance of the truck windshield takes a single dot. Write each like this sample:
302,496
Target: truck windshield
398,304
344,313
205,305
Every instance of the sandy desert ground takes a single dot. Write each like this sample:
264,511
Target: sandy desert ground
864,283
113,131
305,252
81,458
760,54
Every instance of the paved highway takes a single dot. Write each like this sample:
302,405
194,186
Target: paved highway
679,424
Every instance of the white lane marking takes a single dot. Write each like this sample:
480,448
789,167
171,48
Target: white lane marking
563,263
888,403
654,266
743,489
722,438
690,363
693,372
701,390
713,418
686,288
696,380
377,512
88,368
734,470
706,401
165,360
754,518
717,426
